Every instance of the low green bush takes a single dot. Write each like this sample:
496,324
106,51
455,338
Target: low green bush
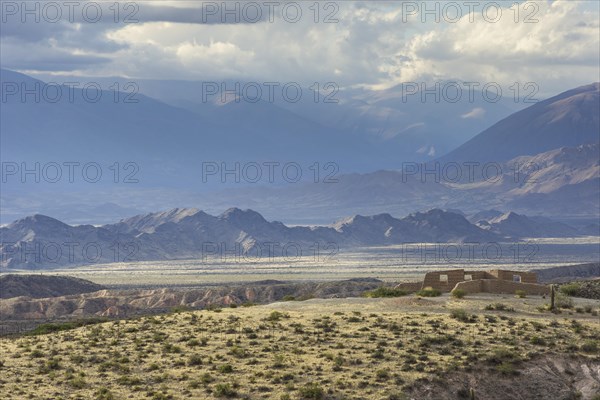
429,292
385,292
312,391
224,390
570,289
521,294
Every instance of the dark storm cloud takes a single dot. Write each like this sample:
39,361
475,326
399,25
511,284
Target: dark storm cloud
45,38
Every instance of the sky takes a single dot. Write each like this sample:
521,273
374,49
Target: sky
353,43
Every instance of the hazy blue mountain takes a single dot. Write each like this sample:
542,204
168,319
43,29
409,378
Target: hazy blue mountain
532,177
389,126
513,224
169,143
43,242
484,215
567,120
431,226
562,183
401,127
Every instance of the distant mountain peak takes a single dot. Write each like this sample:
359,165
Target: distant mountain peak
237,215
568,119
37,219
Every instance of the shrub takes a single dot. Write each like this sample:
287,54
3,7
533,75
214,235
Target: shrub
37,354
312,391
538,341
50,365
104,394
461,315
570,289
194,359
279,361
276,316
180,309
224,390
289,298
225,368
521,294
382,375
384,291
590,346
507,368
502,355
206,378
429,292
498,307
459,293
78,382
563,301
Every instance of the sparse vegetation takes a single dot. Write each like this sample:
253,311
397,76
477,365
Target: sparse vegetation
563,301
377,350
461,315
521,294
44,329
312,391
499,307
459,293
384,291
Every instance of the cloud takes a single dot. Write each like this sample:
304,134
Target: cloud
35,56
370,45
477,112
429,150
563,46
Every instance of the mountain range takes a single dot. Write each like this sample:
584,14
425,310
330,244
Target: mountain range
39,241
562,183
543,160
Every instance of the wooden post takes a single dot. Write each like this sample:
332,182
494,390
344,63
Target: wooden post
552,297
471,394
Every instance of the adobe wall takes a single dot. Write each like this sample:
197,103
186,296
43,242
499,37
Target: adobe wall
410,287
526,277
478,274
501,287
432,279
475,286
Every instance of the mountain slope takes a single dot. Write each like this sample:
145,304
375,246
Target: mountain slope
513,224
43,286
568,119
